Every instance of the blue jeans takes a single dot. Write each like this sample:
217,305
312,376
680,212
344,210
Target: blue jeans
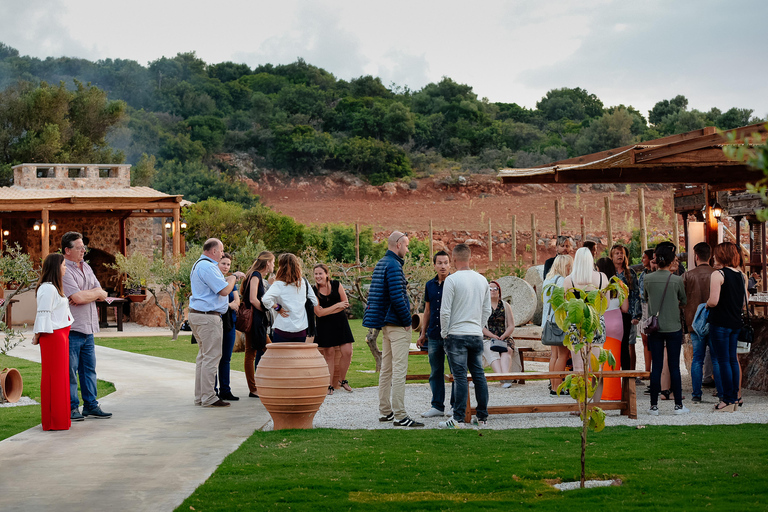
82,362
697,364
437,373
724,351
466,353
673,342
227,344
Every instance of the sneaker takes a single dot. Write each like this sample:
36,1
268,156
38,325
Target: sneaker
449,413
506,385
388,417
638,381
553,393
681,409
96,412
696,399
76,416
480,423
452,423
432,413
654,410
407,422
218,403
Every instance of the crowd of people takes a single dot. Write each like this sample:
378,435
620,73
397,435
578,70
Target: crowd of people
465,321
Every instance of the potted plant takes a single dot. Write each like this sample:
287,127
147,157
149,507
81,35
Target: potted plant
136,271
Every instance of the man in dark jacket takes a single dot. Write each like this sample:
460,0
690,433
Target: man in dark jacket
389,310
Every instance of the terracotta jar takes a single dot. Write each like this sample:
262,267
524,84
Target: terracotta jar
11,384
292,379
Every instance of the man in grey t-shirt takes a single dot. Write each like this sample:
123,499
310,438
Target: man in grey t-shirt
463,314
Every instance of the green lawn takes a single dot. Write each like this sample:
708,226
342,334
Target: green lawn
359,374
18,419
663,468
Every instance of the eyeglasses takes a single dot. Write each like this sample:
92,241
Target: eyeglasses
83,248
494,289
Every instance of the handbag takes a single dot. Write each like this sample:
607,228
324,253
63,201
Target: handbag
244,321
653,321
552,334
310,309
499,346
747,332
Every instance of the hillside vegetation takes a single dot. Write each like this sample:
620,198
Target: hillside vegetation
171,117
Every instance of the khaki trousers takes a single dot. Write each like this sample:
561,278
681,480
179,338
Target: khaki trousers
208,331
396,342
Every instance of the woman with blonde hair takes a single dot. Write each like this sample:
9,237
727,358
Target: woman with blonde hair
332,325
559,355
287,296
584,277
256,340
52,323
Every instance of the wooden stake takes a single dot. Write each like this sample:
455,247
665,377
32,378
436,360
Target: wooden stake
643,226
533,239
431,241
357,243
514,240
608,229
490,241
557,217
675,225
583,231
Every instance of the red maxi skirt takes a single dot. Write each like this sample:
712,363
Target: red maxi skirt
54,384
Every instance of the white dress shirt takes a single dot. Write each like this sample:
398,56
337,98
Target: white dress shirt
52,310
291,298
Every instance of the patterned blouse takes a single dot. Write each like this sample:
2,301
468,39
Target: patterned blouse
497,323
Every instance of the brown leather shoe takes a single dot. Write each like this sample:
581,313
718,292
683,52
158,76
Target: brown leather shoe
218,403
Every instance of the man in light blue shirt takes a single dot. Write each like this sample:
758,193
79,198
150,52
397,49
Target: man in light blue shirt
210,290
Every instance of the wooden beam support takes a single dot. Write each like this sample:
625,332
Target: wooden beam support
97,206
176,227
674,148
45,235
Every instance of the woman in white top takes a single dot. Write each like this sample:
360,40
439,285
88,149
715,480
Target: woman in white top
558,359
586,278
52,333
288,295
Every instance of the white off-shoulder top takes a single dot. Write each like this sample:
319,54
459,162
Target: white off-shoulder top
52,310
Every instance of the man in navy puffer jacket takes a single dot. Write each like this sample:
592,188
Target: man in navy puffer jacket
389,310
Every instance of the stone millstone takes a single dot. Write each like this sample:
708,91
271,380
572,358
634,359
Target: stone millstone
535,278
520,296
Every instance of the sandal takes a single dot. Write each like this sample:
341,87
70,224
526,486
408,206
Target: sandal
739,402
664,394
345,386
330,390
725,407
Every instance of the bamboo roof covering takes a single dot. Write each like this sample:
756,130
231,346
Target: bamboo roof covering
692,157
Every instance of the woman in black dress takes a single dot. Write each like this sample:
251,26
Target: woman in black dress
332,324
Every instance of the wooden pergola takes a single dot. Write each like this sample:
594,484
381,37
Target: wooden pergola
693,161
30,199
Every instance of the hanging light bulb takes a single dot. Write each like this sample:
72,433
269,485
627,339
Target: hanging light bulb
37,225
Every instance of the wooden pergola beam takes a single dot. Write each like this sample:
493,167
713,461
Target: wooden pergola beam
64,207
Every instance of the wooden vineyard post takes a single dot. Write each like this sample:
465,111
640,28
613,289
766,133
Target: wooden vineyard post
514,240
609,231
431,243
643,227
557,217
490,241
583,231
533,239
675,225
357,243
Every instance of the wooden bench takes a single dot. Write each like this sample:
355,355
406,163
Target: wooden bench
523,357
627,405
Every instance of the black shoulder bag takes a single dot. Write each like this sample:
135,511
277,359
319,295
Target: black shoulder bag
310,309
653,322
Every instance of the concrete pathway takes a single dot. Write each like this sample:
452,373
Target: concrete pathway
153,453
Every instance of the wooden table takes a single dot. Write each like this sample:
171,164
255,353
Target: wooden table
115,302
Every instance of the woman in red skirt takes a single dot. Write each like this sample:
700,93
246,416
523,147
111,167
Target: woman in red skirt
52,333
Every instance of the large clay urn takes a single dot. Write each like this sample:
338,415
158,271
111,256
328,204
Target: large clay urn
11,384
292,381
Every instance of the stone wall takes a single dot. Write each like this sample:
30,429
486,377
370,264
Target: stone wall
57,177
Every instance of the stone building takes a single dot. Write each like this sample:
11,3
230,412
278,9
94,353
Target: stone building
97,200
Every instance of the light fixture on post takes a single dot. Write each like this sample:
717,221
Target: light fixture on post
167,225
53,225
6,232
717,210
36,226
183,224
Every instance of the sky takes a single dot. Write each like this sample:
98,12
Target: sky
626,52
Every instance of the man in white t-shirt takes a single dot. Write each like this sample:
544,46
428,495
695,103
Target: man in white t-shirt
463,314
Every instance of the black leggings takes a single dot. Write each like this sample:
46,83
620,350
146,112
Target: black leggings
626,319
656,343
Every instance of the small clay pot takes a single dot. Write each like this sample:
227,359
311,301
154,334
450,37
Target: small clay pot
12,385
137,298
292,381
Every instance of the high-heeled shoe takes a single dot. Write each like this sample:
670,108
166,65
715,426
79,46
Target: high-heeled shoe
739,402
725,407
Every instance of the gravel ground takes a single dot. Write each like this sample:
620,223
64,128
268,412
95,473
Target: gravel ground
25,400
359,409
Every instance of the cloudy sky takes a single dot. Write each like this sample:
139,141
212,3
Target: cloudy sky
631,52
